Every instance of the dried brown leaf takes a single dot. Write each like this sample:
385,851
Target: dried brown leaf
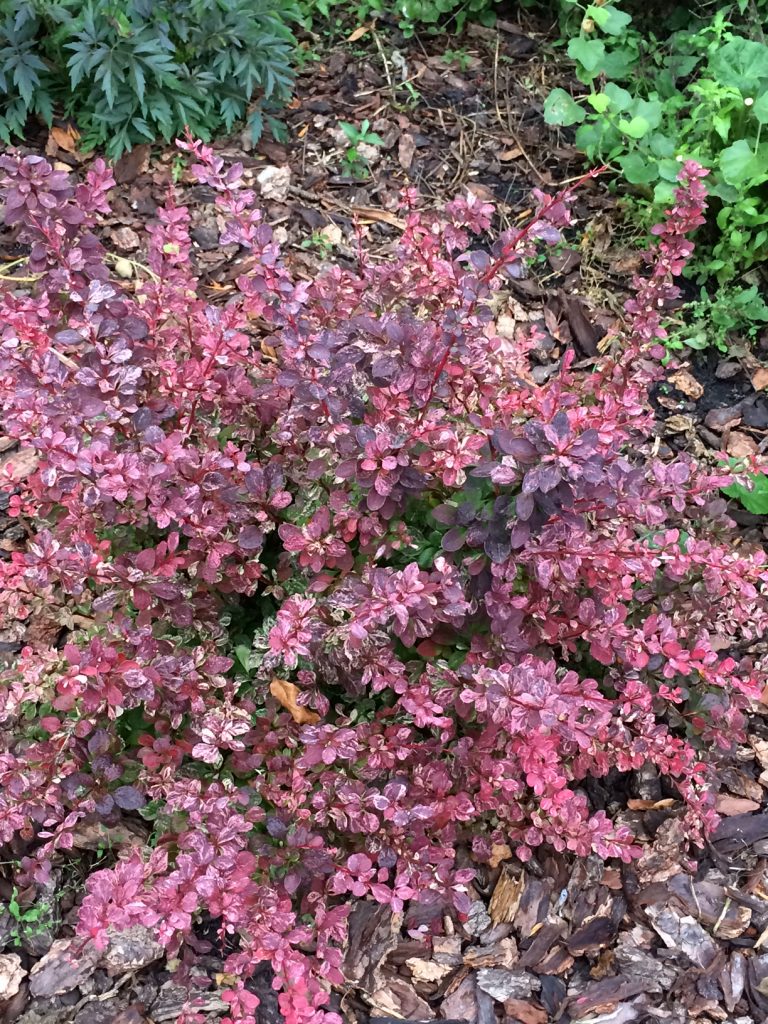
65,138
651,805
678,424
373,215
499,853
741,446
729,806
687,383
132,164
360,31
723,419
406,150
286,694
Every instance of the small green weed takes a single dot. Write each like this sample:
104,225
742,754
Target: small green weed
320,242
713,321
30,921
458,57
355,163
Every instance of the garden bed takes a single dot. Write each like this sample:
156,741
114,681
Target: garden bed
671,936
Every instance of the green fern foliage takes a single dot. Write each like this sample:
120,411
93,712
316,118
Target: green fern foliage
130,71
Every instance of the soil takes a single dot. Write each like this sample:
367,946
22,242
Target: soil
668,938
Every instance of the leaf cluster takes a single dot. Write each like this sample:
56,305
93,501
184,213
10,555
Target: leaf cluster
651,100
410,16
130,72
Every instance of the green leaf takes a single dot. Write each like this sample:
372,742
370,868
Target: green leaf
620,99
350,130
740,63
610,19
661,146
561,109
635,127
599,101
721,122
618,63
243,656
760,108
587,52
652,110
638,169
663,192
738,163
754,500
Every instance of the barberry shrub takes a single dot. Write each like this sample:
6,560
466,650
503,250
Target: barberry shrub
353,591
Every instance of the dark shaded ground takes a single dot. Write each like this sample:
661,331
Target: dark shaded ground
665,939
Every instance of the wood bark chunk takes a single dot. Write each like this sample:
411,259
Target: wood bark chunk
499,954
732,980
506,896
735,833
446,949
543,941
534,905
427,970
592,936
64,967
633,958
662,858
521,1011
684,933
708,901
503,984
18,465
11,975
478,920
461,1000
130,949
397,997
604,995
373,934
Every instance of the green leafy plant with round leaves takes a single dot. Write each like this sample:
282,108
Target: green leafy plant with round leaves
651,101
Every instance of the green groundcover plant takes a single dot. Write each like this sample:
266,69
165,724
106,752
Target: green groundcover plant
698,91
409,15
134,71
354,594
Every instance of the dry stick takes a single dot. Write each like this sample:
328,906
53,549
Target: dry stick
508,123
387,71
